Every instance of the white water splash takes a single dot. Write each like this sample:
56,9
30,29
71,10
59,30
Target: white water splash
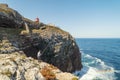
95,69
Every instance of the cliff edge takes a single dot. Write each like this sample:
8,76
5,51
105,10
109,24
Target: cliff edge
56,46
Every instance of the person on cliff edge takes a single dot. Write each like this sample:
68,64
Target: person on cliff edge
37,22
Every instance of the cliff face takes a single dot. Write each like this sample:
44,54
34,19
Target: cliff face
57,47
15,65
9,17
61,48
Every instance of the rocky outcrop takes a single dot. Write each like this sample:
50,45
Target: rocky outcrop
57,47
9,17
17,66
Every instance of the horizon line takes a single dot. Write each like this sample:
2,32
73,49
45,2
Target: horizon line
99,37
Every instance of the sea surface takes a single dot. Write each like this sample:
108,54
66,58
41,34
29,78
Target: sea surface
100,58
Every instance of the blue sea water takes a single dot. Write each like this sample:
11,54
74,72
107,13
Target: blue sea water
100,59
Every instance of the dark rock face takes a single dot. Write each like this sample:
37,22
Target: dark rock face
9,17
57,46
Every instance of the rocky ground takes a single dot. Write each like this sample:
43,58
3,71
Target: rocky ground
17,66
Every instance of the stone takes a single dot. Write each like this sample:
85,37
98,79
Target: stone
3,5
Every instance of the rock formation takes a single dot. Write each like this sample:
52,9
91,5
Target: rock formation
9,17
17,66
62,50
57,47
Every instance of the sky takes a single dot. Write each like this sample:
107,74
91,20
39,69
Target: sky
81,18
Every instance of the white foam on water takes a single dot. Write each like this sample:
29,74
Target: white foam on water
95,69
87,74
117,71
94,74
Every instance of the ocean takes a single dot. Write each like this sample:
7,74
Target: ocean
100,58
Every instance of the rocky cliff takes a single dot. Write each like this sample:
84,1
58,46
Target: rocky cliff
17,66
56,46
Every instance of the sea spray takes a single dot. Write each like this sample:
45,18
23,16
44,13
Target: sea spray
102,55
95,69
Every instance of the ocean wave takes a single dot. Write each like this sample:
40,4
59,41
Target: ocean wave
95,69
117,71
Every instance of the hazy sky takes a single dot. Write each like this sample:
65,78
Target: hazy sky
81,18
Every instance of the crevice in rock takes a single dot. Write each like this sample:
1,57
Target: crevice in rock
31,52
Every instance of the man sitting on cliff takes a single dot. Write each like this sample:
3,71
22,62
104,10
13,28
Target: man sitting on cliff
37,22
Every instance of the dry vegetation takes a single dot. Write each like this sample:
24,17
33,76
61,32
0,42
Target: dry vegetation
48,74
